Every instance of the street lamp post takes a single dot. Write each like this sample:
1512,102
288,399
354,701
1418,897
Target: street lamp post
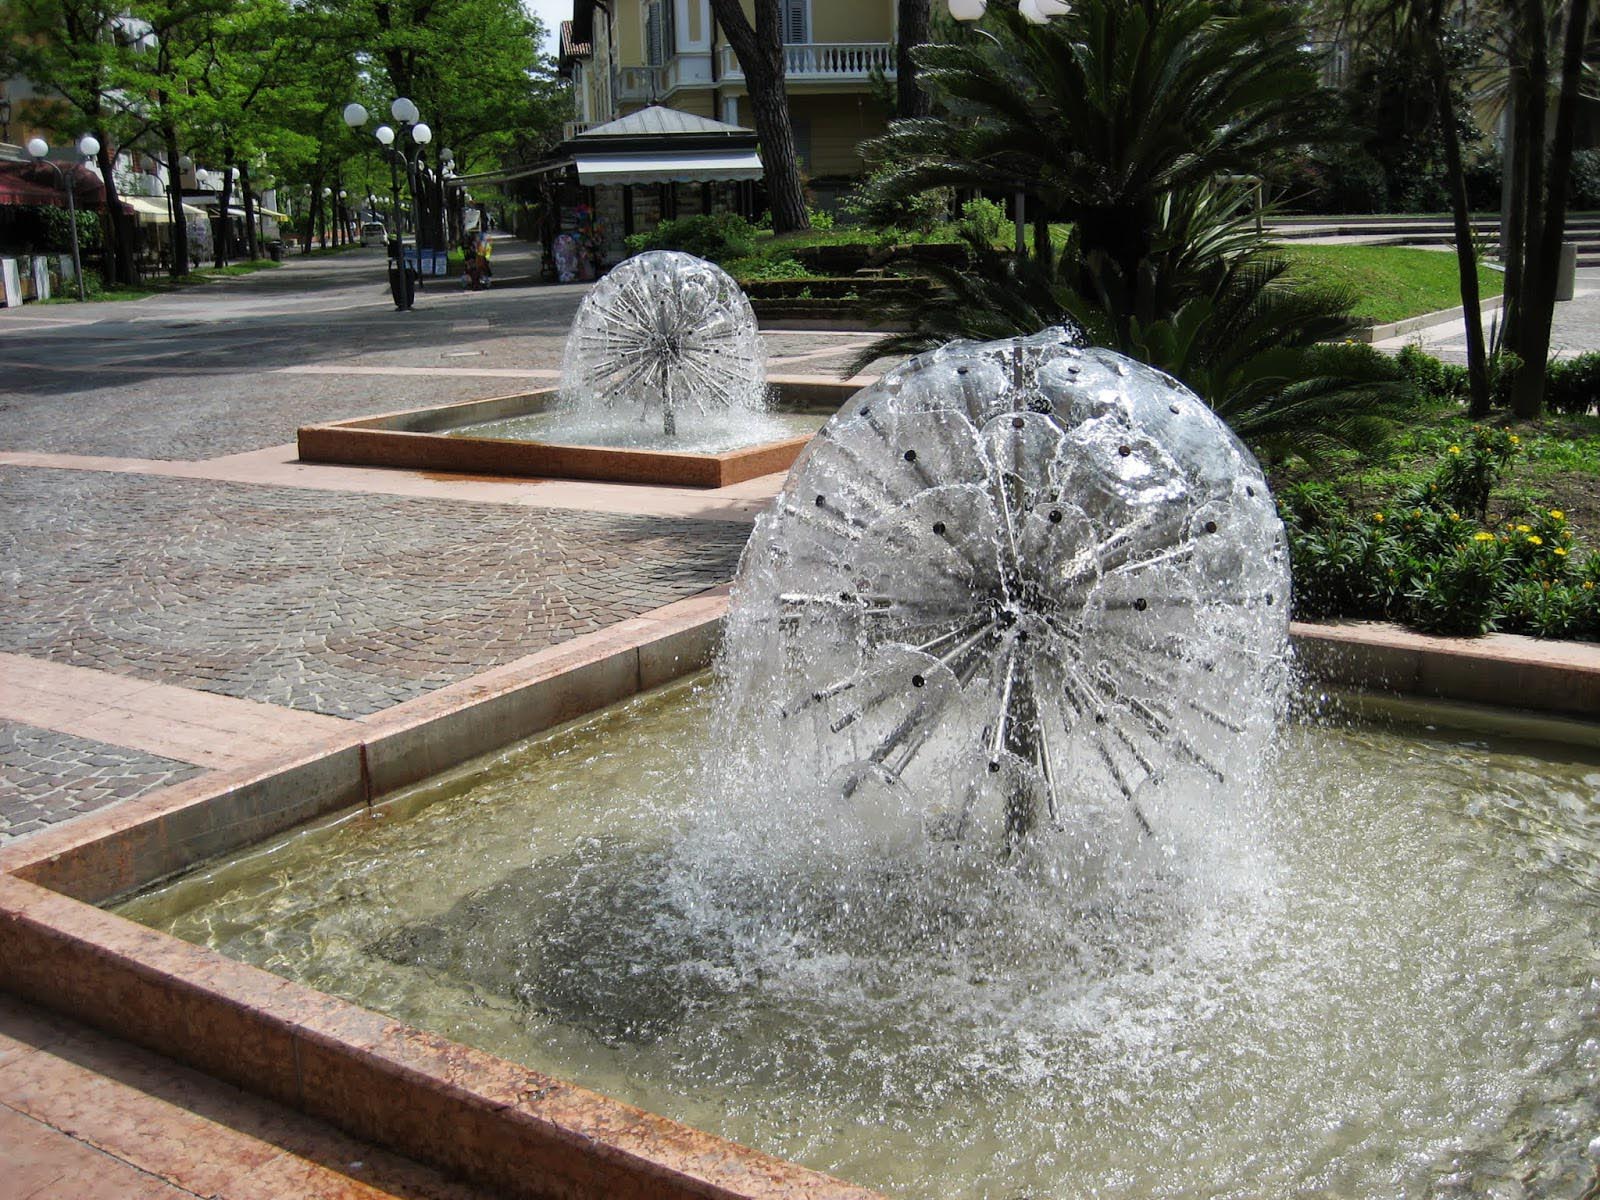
88,147
402,279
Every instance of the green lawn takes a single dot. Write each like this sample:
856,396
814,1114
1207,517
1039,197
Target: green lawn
1390,283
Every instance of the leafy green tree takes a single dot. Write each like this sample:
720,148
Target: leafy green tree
79,53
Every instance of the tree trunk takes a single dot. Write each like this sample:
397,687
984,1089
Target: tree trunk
119,248
1533,39
1527,395
1466,253
252,248
1515,168
180,227
760,54
915,22
224,220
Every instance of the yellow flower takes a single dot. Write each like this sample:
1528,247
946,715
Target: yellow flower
1483,536
1558,514
1561,551
1378,517
1588,585
1455,450
1455,516
1524,529
1515,440
1535,540
1416,512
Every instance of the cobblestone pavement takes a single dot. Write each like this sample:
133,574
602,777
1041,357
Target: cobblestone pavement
329,602
47,777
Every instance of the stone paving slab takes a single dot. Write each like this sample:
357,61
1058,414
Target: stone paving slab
47,776
85,1117
328,602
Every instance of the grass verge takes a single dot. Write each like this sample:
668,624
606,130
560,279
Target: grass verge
1390,283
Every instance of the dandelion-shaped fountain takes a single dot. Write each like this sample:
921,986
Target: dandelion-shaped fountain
1014,582
663,337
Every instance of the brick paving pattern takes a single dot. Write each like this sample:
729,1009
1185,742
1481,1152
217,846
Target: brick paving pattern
47,776
333,603
200,416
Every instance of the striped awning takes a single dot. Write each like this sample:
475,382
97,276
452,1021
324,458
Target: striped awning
669,166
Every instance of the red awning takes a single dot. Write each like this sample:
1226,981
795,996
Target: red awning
31,183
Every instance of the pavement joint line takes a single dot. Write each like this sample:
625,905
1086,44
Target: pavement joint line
186,724
486,372
278,466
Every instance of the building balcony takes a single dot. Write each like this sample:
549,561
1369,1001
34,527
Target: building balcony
824,62
572,129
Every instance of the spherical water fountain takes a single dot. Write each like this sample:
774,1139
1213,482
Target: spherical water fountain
665,343
1015,583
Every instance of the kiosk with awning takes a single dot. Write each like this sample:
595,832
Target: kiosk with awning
639,170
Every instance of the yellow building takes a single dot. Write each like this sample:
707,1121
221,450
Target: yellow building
622,55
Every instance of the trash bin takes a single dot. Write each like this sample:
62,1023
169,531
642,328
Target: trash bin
275,250
1567,271
402,281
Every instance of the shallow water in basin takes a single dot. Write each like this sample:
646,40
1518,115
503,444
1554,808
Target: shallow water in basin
1393,994
698,433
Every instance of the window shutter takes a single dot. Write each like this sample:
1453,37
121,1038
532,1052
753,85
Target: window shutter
652,35
794,22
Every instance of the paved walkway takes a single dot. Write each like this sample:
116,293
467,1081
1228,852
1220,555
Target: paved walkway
163,542
181,595
1574,330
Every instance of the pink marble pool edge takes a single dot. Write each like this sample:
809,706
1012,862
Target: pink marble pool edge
505,1126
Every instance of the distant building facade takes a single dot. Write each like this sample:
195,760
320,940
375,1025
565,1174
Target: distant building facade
839,63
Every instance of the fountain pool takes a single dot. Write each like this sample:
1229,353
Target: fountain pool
1390,991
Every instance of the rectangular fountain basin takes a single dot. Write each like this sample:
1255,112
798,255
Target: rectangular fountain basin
422,439
515,1129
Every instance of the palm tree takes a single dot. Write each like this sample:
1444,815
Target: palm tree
1211,306
1099,114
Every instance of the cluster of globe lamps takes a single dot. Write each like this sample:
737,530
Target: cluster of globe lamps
1035,12
88,147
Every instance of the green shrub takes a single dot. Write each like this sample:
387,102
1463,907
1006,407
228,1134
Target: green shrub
1424,559
719,237
1433,379
821,220
1467,473
1460,593
762,270
922,213
1572,386
1585,187
982,221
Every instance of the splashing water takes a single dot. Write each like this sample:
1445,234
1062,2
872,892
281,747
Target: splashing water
664,340
1013,585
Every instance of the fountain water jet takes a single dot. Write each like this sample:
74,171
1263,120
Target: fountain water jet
664,334
1013,582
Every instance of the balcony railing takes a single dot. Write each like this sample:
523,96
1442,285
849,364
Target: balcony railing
824,61
572,129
